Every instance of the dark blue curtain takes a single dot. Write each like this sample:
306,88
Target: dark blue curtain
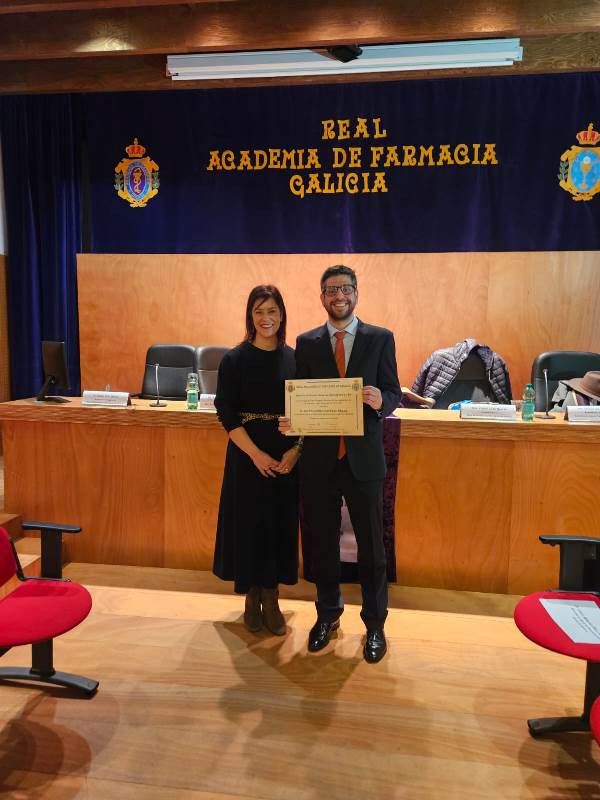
513,203
41,149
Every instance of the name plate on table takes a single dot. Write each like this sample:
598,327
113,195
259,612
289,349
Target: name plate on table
111,399
586,415
491,411
206,402
325,406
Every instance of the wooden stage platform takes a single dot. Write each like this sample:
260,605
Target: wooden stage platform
193,707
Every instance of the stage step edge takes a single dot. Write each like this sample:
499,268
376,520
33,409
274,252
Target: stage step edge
12,524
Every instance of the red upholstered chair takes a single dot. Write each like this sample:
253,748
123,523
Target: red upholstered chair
579,580
39,609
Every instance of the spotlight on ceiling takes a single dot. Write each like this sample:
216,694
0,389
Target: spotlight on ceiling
345,52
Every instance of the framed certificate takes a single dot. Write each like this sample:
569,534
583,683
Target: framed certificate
325,406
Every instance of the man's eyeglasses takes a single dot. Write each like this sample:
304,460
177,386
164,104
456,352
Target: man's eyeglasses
331,291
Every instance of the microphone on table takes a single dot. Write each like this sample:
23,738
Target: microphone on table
157,403
546,415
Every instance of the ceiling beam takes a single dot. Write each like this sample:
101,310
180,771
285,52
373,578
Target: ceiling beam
37,6
567,53
268,24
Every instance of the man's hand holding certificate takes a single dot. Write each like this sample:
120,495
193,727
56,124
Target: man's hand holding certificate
324,406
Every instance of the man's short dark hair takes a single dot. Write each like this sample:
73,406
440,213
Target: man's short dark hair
338,269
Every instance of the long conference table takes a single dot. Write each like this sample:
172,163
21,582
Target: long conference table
144,483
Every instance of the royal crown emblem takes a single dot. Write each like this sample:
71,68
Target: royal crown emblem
579,170
136,177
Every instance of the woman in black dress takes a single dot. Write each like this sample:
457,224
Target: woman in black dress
257,532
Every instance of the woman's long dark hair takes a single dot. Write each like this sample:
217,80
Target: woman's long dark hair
262,293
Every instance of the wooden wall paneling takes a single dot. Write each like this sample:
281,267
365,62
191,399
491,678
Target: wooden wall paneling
522,308
519,304
249,25
451,524
122,470
542,301
4,357
566,52
194,463
43,6
119,45
429,300
555,491
47,495
128,302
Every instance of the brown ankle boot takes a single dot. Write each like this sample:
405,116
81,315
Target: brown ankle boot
253,618
272,616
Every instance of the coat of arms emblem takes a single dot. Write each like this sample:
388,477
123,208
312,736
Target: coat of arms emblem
579,171
136,177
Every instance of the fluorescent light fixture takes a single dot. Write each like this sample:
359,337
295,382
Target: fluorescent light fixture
374,58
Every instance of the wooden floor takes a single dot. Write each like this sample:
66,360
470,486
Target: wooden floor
192,706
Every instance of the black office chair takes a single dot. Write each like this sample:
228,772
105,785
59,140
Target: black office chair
561,365
471,383
208,358
175,362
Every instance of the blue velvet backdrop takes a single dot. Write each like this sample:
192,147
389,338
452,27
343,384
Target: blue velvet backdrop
516,204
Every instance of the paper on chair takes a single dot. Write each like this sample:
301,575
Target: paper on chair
579,619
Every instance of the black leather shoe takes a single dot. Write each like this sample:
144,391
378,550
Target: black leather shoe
320,632
375,647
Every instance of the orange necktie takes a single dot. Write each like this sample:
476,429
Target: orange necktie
340,360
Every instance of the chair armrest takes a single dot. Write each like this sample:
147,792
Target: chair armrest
579,569
558,538
51,539
50,526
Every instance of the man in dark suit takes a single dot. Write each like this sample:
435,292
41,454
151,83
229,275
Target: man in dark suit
351,467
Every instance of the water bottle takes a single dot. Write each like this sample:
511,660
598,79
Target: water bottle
192,391
528,404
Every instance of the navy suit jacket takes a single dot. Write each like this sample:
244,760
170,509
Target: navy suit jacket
373,358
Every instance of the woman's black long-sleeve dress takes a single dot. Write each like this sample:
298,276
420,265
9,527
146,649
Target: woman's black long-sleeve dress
257,531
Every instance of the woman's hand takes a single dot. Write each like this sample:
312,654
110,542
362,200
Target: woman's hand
284,425
288,461
266,465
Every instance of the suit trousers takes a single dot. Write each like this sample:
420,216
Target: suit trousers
322,503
